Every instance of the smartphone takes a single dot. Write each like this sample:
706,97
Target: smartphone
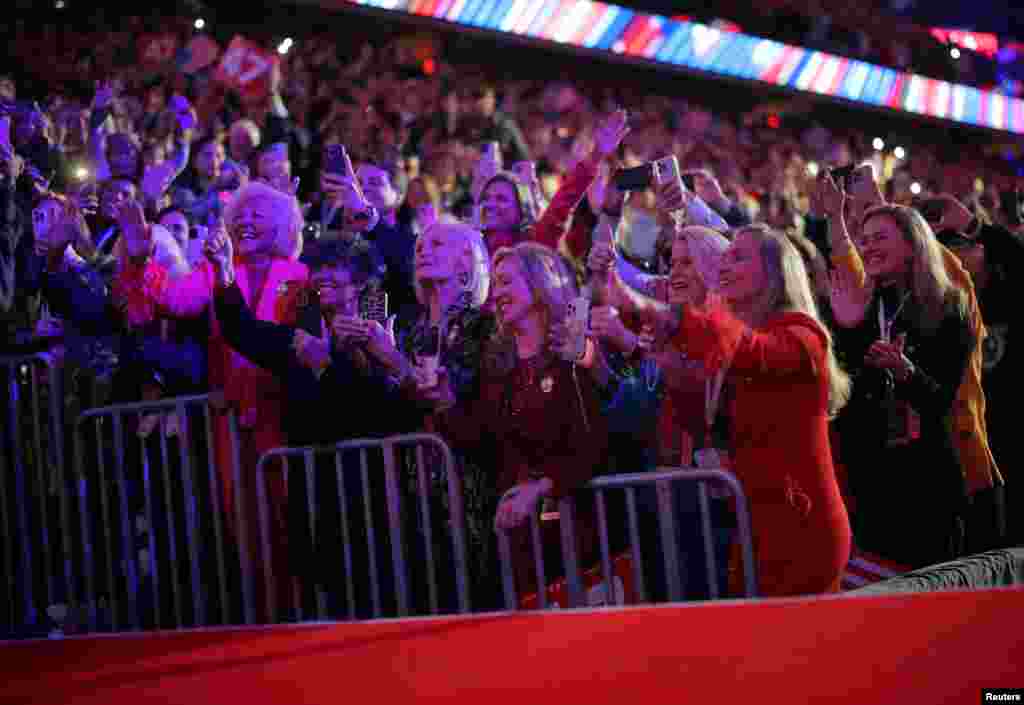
666,170
577,319
373,304
841,175
656,173
5,130
334,159
637,178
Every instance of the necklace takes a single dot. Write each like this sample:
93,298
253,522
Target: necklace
885,323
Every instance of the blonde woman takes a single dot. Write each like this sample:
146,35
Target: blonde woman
769,339
692,415
537,413
908,355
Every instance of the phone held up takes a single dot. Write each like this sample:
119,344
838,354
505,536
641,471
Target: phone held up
656,173
334,159
373,304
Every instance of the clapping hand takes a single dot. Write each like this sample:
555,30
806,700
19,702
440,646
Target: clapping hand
219,249
134,229
889,356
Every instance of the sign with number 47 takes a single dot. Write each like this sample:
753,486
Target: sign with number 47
247,67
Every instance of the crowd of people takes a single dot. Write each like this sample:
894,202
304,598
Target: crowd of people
838,342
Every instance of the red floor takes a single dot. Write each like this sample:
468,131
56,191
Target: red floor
917,649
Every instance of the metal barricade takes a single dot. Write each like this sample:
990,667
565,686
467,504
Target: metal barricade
401,484
31,471
662,479
131,547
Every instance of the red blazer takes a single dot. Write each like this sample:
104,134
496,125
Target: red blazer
781,447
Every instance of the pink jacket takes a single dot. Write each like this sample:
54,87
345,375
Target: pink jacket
146,293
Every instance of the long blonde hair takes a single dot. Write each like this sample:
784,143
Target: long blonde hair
788,289
552,284
931,289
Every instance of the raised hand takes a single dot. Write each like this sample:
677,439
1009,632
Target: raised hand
219,249
828,196
134,229
603,195
344,191
610,133
849,301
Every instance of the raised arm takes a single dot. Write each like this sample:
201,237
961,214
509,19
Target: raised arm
142,289
269,345
552,224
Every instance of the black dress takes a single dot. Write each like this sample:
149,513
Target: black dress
904,476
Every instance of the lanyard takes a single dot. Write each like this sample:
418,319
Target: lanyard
712,399
884,323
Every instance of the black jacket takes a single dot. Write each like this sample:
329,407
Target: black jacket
347,401
907,496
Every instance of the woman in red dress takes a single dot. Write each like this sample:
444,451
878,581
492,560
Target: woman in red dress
787,385
537,415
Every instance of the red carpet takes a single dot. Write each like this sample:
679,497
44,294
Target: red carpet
921,648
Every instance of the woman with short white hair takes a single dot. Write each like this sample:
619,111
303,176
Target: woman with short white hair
436,360
265,228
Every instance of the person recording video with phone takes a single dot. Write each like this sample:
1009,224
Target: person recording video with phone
321,363
369,197
506,216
